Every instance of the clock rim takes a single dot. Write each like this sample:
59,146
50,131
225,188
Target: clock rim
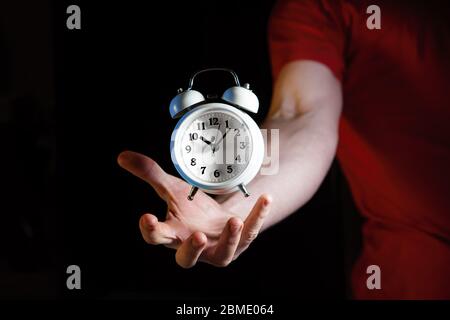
250,171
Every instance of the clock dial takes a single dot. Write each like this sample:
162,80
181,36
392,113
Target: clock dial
216,147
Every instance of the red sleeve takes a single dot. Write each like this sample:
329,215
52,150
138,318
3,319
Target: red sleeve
307,29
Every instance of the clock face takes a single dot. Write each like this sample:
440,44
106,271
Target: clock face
216,146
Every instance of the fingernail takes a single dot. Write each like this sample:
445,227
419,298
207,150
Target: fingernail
235,227
147,224
197,243
123,156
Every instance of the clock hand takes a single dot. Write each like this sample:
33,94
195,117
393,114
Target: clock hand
218,131
213,147
204,140
218,142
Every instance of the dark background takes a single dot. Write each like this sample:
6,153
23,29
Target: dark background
71,100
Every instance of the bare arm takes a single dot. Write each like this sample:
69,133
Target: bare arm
306,106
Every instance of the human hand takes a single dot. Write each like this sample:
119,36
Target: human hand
199,230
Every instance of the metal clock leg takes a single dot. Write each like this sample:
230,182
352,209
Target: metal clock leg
244,190
192,193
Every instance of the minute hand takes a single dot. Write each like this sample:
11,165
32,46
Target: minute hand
221,139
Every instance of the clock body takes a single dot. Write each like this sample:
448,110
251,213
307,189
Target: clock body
216,147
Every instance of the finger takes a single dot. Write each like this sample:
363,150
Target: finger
228,242
254,222
190,250
155,232
147,169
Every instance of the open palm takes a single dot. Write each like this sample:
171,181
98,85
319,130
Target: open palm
201,229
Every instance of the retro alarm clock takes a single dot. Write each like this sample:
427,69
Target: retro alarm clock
216,146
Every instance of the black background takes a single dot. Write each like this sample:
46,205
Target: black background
73,99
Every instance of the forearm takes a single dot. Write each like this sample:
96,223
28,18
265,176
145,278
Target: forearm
307,147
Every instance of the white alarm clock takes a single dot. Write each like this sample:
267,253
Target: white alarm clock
216,146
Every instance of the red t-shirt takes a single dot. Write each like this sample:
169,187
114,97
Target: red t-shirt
394,138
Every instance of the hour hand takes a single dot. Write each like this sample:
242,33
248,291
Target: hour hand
204,140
